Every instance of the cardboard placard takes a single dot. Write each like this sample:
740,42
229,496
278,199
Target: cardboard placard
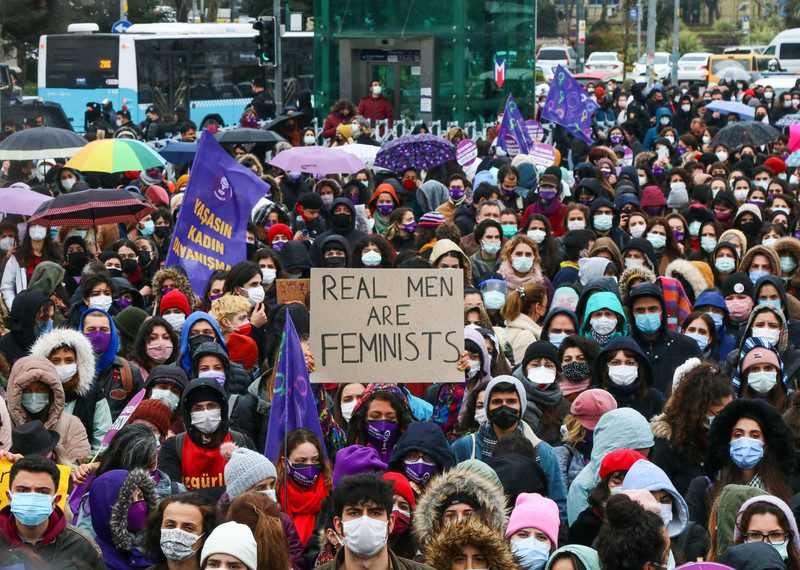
5,477
289,290
466,152
535,130
387,325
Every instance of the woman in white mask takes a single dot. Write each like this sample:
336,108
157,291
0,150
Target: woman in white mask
36,246
760,373
623,369
521,259
271,270
346,397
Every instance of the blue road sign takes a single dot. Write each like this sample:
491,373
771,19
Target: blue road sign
120,26
633,13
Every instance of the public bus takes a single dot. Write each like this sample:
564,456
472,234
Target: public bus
204,70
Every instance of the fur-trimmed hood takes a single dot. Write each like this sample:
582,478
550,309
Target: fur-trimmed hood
768,252
430,507
688,274
181,284
46,344
26,371
633,274
660,427
449,542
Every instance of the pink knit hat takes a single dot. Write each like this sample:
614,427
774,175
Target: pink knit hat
534,511
760,355
590,406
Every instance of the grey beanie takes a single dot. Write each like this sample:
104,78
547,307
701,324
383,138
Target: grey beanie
245,469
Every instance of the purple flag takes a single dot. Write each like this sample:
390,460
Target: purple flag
568,105
513,126
293,404
211,230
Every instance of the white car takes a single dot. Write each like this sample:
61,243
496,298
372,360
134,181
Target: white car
550,56
604,61
662,66
693,67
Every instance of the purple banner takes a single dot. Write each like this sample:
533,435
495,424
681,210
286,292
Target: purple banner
568,105
513,127
535,130
211,230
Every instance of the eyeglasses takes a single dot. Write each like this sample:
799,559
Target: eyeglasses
777,538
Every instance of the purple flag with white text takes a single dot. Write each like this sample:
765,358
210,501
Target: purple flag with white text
513,126
569,105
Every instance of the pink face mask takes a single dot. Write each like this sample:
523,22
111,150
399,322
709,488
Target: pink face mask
739,309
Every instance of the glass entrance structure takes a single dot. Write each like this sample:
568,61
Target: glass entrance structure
436,58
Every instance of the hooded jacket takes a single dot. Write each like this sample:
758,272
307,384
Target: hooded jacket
731,500
234,383
443,246
16,343
619,237
335,240
690,277
623,428
427,438
551,397
603,300
250,414
713,298
450,541
646,248
295,257
652,133
739,381
668,349
457,481
85,401
349,232
789,304
772,500
598,285
588,556
753,556
74,445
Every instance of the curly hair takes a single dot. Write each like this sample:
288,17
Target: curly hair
631,536
685,411
387,251
513,242
357,429
139,350
151,542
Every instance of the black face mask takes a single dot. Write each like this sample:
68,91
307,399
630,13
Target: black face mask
77,259
196,341
144,258
503,417
335,261
128,266
251,249
163,232
750,228
342,220
114,272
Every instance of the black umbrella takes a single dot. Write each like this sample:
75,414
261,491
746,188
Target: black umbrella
745,133
244,135
280,119
41,142
88,208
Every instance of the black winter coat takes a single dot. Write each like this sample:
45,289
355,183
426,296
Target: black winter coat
679,471
251,414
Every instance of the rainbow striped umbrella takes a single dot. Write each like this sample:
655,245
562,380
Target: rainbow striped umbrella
115,155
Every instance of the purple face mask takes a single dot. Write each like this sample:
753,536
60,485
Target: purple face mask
278,245
410,227
215,297
100,341
382,434
652,210
419,471
678,235
124,303
384,209
681,150
456,193
547,194
657,170
616,139
304,475
797,234
586,202
137,515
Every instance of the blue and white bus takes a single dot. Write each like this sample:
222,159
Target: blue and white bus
204,69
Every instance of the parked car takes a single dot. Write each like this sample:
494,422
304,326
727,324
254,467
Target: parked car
597,77
662,66
745,49
604,61
693,67
25,112
726,65
786,47
780,82
550,56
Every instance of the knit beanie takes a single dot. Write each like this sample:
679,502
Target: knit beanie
174,300
242,349
279,229
355,459
234,539
157,195
130,320
619,460
401,487
775,164
739,284
534,511
541,349
431,220
154,411
590,406
760,355
181,182
246,469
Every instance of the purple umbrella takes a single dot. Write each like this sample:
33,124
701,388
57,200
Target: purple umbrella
20,199
317,160
421,152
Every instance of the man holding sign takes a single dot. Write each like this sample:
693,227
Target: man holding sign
34,520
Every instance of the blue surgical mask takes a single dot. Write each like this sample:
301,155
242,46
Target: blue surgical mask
31,509
746,452
531,554
148,229
602,222
491,247
773,302
557,338
788,264
493,299
649,323
708,243
758,274
657,240
718,319
702,340
371,258
35,403
725,264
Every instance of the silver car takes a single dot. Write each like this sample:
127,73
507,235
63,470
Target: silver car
551,56
693,67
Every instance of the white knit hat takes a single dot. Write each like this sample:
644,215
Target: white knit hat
234,539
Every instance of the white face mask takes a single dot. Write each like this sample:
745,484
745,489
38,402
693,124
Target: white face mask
176,320
637,231
537,235
740,195
68,183
575,225
365,537
207,421
66,371
623,375
474,368
642,181
762,382
309,141
268,275
542,375
522,264
604,325
706,140
7,243
480,416
255,294
376,90
100,302
633,263
767,334
686,108
722,156
37,233
347,409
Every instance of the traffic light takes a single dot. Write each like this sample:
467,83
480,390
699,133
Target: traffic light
265,40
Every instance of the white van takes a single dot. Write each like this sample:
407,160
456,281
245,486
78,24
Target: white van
786,47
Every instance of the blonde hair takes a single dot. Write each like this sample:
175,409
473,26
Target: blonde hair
227,306
575,431
518,302
514,242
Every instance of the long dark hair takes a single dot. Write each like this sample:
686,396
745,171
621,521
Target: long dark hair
139,350
151,543
132,447
357,430
548,250
216,276
240,274
765,508
49,250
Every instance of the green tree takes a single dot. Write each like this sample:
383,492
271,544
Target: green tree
546,19
688,41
